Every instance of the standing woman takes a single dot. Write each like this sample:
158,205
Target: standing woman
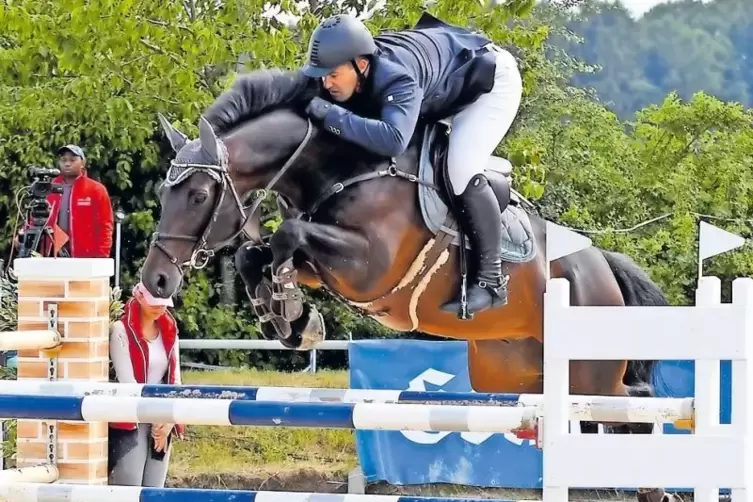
143,349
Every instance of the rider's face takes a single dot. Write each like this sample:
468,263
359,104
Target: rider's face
342,82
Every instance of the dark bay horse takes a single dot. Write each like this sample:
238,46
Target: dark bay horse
353,224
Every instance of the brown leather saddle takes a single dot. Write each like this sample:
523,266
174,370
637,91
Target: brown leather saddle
498,171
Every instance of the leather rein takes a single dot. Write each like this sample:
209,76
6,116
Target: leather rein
202,252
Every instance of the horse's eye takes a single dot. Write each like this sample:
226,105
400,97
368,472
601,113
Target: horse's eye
199,197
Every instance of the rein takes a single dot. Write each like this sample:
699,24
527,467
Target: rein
201,254
338,187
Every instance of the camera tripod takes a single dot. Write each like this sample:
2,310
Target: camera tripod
33,237
39,211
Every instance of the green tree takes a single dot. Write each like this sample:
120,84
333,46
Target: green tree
682,47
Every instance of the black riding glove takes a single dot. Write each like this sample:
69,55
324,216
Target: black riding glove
318,108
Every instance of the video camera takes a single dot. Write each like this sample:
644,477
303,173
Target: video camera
38,209
42,184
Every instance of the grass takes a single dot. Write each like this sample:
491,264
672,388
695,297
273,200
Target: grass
263,453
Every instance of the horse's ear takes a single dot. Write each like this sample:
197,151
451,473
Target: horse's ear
177,139
209,140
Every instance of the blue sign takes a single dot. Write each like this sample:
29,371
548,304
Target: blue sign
677,379
471,459
415,457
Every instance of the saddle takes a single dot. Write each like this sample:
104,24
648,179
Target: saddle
498,171
437,199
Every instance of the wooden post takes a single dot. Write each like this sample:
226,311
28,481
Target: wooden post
72,296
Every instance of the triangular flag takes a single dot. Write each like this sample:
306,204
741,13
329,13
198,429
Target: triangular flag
713,241
561,241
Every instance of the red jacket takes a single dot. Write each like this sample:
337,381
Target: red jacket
91,218
138,348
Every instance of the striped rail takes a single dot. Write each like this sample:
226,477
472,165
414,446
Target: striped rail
358,416
678,411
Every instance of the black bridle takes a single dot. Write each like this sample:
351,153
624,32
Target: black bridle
202,253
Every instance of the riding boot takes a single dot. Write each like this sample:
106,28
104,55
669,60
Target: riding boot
480,211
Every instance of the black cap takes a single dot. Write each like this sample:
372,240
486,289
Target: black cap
74,149
336,41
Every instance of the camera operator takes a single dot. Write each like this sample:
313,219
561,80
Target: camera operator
82,212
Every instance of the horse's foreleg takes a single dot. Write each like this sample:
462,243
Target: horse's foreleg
335,251
250,262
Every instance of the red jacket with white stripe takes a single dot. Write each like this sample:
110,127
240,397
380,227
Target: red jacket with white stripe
91,218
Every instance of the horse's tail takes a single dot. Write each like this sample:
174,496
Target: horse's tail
638,290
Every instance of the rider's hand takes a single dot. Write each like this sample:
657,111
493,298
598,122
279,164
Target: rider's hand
318,108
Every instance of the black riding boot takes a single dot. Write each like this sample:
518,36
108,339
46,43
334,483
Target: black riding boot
480,214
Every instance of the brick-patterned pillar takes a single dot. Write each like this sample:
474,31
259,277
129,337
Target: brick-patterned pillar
79,290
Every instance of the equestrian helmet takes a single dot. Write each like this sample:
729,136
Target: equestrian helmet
336,41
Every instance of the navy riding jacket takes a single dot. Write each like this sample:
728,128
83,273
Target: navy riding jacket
429,72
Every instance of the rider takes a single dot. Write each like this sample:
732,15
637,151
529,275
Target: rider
432,72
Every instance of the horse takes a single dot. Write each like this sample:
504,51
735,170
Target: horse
379,234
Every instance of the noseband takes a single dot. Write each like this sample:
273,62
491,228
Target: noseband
179,172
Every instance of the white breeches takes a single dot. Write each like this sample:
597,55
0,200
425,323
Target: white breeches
478,129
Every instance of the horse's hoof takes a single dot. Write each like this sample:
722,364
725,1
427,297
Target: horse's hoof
276,329
315,330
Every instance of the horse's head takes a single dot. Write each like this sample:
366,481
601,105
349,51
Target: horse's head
203,195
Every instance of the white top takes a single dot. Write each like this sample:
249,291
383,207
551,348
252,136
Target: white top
121,357
157,366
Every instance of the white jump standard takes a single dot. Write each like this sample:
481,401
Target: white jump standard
715,456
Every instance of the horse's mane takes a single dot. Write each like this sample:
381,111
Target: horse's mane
273,102
283,119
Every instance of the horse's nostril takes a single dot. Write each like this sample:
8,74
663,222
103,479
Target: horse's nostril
161,282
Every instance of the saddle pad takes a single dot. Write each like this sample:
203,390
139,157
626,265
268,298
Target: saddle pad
517,234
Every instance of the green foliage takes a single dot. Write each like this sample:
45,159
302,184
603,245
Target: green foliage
97,74
8,301
201,316
684,159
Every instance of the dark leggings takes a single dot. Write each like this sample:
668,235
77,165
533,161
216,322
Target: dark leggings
133,461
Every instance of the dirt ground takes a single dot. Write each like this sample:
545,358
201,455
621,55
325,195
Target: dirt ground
311,480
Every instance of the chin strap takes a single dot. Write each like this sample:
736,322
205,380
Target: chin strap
361,75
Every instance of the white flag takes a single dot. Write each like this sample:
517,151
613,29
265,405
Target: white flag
714,241
561,241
